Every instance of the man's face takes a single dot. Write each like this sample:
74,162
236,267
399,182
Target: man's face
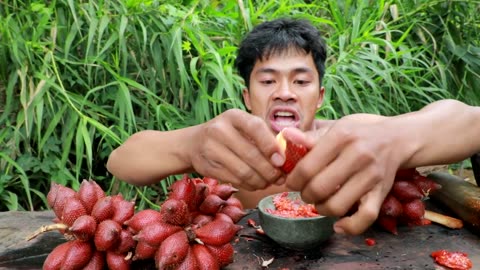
285,91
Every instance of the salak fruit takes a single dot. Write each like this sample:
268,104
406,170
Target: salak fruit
192,229
293,152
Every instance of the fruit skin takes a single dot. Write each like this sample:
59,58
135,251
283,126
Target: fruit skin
405,191
218,232
55,259
107,235
391,207
414,210
172,251
78,255
206,260
293,153
388,223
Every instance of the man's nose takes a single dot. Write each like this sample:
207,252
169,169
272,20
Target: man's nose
285,91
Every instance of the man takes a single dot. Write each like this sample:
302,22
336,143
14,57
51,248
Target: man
352,161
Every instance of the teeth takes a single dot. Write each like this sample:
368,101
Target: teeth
284,114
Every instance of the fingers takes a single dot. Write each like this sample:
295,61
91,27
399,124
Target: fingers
240,147
365,216
347,195
325,181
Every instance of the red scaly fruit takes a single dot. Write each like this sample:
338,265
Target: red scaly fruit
391,206
87,194
293,153
58,196
201,219
223,254
100,193
56,257
103,209
234,212
388,223
189,263
405,191
84,227
97,262
211,182
426,185
201,192
142,219
413,210
183,190
126,242
206,260
73,209
78,255
217,232
406,174
155,233
122,210
175,212
172,251
233,201
211,204
224,191
117,261
224,217
107,235
144,251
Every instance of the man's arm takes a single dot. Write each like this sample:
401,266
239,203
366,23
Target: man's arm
234,147
354,162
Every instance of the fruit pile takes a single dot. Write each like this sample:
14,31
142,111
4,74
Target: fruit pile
404,203
192,230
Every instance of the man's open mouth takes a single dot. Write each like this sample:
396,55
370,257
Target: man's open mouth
282,119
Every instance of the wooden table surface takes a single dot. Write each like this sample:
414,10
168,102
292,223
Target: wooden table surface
410,249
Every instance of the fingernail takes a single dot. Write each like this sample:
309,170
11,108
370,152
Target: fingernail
277,159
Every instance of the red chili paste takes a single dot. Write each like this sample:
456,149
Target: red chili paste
291,208
453,260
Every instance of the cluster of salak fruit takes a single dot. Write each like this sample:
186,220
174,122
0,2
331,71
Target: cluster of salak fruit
192,230
405,203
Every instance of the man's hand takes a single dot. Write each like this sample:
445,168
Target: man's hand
349,169
239,148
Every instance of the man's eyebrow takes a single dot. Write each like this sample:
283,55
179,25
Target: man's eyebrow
295,70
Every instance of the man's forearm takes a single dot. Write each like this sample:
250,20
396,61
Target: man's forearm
443,132
149,156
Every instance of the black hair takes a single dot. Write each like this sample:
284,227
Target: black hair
278,36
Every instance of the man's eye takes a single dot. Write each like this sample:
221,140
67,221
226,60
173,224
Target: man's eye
267,81
301,82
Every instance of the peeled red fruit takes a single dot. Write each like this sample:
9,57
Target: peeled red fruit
293,153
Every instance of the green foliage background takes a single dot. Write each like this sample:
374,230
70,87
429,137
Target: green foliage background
78,77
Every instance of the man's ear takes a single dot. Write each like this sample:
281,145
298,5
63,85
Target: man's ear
246,98
320,97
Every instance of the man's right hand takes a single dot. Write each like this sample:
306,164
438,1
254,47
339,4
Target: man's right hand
238,148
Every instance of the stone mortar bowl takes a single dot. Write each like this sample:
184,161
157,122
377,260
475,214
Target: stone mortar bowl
296,233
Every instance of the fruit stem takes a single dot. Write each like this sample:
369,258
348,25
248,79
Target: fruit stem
47,228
